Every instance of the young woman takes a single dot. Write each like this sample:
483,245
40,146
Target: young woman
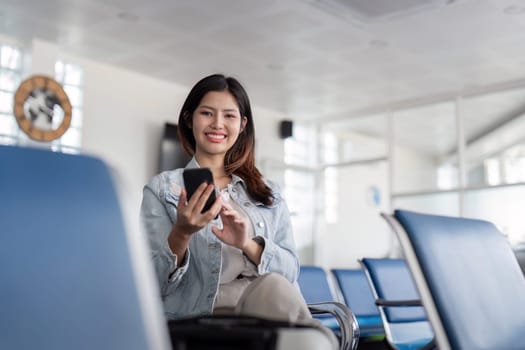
243,261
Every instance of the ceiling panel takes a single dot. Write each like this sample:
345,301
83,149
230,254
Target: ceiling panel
294,56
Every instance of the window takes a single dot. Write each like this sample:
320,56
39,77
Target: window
299,180
301,148
10,77
514,164
425,148
485,181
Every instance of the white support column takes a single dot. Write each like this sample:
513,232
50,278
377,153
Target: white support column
319,222
395,248
460,127
390,158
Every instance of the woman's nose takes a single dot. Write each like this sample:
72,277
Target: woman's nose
218,121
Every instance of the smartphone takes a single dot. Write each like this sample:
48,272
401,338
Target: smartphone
193,178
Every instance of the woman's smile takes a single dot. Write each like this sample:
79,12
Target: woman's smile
215,137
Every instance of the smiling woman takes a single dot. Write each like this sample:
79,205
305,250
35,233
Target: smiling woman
206,265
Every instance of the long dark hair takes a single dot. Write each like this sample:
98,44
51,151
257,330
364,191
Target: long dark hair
240,159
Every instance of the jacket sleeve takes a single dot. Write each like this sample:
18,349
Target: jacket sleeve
279,254
157,226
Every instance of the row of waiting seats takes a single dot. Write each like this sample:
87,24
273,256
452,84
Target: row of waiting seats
465,273
382,297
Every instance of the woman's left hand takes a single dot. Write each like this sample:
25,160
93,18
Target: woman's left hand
234,228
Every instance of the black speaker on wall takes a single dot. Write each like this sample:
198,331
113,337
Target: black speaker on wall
286,129
172,156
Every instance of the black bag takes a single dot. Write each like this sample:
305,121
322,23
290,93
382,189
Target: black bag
231,332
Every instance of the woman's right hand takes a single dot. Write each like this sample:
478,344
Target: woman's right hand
190,219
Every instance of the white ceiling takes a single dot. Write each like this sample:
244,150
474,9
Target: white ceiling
311,59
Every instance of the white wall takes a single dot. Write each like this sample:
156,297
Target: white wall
359,231
124,115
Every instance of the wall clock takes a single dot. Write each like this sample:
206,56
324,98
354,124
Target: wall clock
42,108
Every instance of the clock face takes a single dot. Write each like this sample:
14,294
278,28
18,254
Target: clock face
42,108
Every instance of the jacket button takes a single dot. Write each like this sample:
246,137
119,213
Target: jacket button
247,204
260,224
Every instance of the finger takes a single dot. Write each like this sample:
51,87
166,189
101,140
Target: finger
214,210
227,209
226,216
217,232
201,203
194,199
230,214
217,206
227,206
182,199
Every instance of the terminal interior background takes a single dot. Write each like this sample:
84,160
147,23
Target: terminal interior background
406,104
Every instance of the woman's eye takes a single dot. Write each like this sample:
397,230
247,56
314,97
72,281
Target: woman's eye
230,116
206,113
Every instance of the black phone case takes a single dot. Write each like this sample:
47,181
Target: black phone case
193,178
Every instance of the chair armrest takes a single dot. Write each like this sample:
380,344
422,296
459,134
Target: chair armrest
345,318
390,303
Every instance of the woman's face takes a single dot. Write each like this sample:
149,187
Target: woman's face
216,124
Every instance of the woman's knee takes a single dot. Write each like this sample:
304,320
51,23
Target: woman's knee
273,296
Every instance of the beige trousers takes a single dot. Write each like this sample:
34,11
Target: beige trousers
273,297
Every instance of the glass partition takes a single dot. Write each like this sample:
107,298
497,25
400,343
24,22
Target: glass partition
501,205
424,151
444,203
494,137
356,139
464,156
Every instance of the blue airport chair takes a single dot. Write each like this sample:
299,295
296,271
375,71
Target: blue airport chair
359,298
468,277
67,276
313,281
73,278
318,294
405,321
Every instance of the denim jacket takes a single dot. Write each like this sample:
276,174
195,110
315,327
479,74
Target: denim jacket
191,289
